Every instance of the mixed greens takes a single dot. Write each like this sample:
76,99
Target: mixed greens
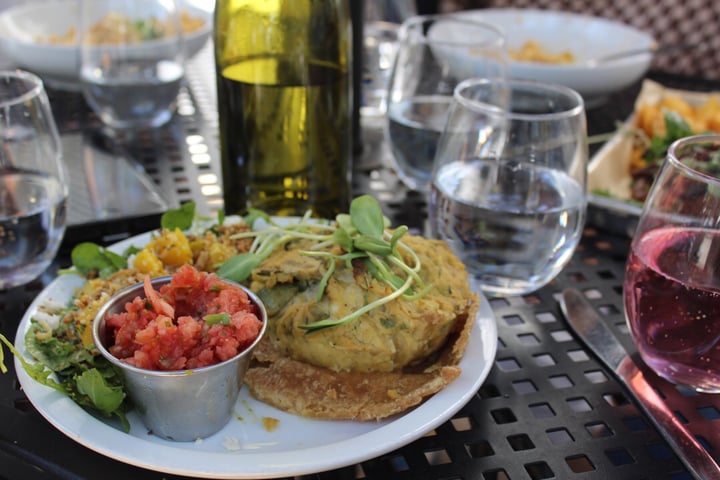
676,127
86,377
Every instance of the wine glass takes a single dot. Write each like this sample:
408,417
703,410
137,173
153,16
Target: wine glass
672,278
131,60
33,188
508,184
434,53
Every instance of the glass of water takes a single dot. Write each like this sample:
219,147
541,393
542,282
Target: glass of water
508,184
33,180
380,32
434,53
131,60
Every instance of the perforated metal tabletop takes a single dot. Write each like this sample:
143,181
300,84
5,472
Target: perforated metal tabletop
547,410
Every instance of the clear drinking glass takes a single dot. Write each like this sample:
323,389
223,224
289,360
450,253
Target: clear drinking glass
33,187
672,278
131,60
434,53
380,44
508,184
380,33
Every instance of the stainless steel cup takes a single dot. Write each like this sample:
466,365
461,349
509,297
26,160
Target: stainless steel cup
182,405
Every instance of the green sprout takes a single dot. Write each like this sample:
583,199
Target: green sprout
362,234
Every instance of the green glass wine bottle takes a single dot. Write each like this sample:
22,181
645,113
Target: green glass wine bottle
284,90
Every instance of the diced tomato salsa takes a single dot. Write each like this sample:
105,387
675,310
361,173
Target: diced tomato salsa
194,321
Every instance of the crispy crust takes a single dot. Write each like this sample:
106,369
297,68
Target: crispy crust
317,392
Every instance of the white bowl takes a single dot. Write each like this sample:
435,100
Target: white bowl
584,36
22,25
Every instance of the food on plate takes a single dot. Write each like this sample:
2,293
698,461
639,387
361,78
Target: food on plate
381,364
114,28
399,334
658,123
194,321
182,344
60,336
533,51
625,167
364,321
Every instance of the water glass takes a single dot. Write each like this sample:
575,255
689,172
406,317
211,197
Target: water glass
131,60
672,277
434,53
379,46
508,184
33,180
382,19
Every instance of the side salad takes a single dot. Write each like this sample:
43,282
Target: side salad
65,360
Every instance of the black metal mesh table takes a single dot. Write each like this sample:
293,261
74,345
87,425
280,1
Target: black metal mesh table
547,410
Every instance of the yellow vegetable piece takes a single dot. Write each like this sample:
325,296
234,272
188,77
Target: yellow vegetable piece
650,118
172,248
220,253
147,262
701,118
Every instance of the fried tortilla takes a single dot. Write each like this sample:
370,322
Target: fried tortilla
383,363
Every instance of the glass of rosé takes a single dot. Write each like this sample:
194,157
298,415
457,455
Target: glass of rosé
672,278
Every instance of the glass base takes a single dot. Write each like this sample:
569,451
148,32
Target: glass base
684,376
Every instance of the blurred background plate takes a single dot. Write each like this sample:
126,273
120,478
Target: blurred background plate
23,26
585,37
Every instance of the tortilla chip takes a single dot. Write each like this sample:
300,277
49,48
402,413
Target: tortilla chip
317,392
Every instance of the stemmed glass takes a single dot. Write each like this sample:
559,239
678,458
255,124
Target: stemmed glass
434,53
508,184
131,60
672,279
33,188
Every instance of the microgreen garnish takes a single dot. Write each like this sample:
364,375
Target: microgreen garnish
362,234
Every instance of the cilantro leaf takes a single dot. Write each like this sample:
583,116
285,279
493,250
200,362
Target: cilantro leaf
181,217
90,257
106,398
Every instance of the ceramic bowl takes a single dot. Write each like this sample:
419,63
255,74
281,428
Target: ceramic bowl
585,37
23,25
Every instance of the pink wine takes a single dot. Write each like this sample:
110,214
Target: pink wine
672,303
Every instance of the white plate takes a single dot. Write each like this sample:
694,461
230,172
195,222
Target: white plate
585,36
21,25
298,446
